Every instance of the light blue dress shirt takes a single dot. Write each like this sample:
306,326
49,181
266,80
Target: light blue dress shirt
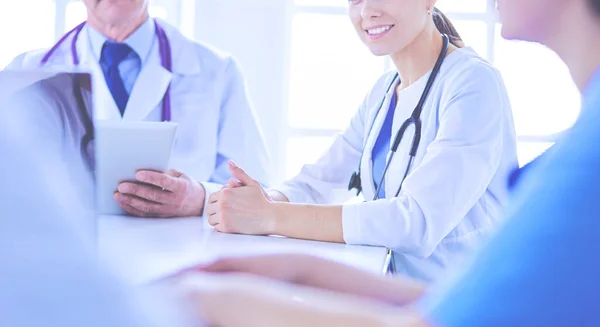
48,276
140,41
543,268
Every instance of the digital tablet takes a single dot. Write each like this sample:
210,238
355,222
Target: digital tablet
122,148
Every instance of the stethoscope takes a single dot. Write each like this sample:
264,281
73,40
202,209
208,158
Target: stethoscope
164,48
414,119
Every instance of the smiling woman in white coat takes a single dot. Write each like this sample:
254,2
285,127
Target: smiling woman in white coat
431,148
145,69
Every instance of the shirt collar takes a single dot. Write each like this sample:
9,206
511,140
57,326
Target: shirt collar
140,41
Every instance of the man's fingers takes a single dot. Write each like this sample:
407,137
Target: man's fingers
174,172
132,211
147,192
157,179
146,207
129,209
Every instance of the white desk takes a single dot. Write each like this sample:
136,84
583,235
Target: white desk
141,250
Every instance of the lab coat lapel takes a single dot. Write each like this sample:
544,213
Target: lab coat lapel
183,49
148,91
366,177
149,88
367,163
105,107
154,80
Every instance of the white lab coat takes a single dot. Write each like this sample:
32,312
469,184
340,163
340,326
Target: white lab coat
453,196
209,101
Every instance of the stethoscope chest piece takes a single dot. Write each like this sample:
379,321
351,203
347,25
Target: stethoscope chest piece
355,183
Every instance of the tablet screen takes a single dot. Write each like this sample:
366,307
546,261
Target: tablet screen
124,147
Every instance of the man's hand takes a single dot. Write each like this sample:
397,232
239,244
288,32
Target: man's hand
161,195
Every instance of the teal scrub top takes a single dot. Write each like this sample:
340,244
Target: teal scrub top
543,267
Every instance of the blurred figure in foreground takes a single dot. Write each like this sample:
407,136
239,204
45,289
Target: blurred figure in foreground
49,274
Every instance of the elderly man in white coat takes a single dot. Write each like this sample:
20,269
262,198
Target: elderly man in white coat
145,69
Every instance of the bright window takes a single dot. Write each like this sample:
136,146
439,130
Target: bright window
326,80
545,101
327,85
75,14
25,29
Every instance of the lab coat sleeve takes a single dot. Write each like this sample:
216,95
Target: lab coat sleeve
326,181
17,62
27,60
39,105
454,174
240,137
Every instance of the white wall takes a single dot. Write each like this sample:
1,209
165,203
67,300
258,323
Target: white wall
256,33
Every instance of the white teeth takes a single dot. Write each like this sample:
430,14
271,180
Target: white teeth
379,30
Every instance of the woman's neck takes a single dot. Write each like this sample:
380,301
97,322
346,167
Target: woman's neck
419,57
117,32
577,41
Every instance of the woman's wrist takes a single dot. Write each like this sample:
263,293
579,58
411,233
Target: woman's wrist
304,221
276,215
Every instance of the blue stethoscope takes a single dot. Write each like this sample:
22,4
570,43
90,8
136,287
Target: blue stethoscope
165,59
414,119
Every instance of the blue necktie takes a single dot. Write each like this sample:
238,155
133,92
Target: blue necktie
382,147
112,55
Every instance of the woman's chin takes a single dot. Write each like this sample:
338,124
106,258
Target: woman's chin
380,52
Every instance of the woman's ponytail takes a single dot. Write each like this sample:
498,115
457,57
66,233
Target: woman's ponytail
445,26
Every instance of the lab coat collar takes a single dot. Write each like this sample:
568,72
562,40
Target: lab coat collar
185,55
146,95
139,41
152,82
377,121
183,50
104,104
149,89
